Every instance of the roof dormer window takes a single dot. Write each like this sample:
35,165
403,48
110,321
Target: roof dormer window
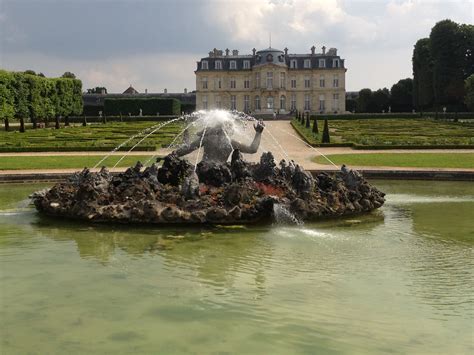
246,64
307,63
218,65
293,64
204,65
233,64
322,63
335,63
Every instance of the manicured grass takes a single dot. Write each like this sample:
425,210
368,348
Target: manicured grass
395,132
413,160
66,161
93,137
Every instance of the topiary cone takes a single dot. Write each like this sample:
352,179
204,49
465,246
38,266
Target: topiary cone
315,126
326,138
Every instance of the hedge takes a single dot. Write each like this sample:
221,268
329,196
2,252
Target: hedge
149,106
392,115
143,148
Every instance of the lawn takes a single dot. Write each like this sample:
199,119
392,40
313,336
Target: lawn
395,132
101,137
66,161
412,160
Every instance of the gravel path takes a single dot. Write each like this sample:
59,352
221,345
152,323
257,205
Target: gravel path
278,137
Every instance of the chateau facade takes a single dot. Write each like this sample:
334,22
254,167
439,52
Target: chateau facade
271,80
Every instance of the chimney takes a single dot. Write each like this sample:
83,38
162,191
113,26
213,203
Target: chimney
227,52
185,90
254,51
235,52
166,90
211,54
102,91
146,91
286,51
215,52
312,50
324,49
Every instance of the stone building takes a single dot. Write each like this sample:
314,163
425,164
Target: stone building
271,80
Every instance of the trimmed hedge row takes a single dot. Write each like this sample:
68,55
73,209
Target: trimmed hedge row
392,115
144,148
149,106
97,119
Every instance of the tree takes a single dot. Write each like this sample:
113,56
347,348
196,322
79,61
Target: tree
7,96
469,87
364,101
401,96
29,71
68,75
351,105
422,62
380,100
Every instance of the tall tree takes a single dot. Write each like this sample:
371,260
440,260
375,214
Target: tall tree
469,98
381,100
364,100
68,75
422,62
401,96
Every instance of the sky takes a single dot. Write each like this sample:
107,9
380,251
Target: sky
154,44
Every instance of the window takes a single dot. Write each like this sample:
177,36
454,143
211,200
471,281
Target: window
270,102
219,83
335,81
247,83
282,80
335,105
204,102
293,83
232,83
246,64
218,64
335,63
204,82
293,64
307,63
307,105
293,102
246,103
321,103
282,102
307,81
322,63
233,64
233,102
204,65
257,102
257,80
269,80
322,82
218,102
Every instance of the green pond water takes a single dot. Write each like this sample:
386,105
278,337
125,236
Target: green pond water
399,280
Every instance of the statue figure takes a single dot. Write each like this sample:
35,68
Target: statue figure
218,144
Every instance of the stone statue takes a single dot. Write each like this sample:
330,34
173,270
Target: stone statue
218,144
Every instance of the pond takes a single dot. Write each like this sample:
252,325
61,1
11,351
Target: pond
399,280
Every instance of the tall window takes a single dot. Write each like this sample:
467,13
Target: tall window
282,80
307,63
335,105
204,102
269,80
257,80
282,102
233,102
232,83
307,81
257,102
204,82
218,64
335,81
293,83
322,82
218,102
233,64
219,83
293,64
204,65
247,83
270,104
335,63
307,105
293,102
322,63
321,103
246,103
246,64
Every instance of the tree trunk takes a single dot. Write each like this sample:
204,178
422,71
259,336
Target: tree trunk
57,126
35,124
66,121
7,124
22,125
84,121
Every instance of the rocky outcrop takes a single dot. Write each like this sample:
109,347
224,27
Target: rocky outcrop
229,193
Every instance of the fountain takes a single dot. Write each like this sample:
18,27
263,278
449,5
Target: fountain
213,190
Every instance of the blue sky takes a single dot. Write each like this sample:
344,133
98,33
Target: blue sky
155,44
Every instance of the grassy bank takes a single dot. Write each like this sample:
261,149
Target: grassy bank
66,161
411,160
93,137
394,132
